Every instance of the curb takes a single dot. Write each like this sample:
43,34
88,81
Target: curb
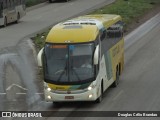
141,31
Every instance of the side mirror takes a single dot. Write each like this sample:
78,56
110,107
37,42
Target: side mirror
96,55
39,57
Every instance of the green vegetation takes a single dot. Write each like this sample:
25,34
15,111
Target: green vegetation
33,2
39,40
130,10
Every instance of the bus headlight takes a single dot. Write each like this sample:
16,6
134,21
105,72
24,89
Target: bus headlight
90,96
48,89
89,88
93,85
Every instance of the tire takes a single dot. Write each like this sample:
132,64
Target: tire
56,103
50,1
99,99
116,82
5,22
18,18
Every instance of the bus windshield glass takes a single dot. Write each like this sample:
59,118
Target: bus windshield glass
69,64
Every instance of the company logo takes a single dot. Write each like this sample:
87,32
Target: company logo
68,92
6,114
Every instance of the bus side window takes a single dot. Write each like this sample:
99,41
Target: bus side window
5,4
14,2
115,31
1,9
1,6
8,3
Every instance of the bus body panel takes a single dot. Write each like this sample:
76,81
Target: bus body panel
117,56
21,10
1,21
83,96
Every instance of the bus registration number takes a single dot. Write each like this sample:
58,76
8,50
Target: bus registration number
69,97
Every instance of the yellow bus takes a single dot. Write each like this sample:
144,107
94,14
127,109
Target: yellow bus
82,57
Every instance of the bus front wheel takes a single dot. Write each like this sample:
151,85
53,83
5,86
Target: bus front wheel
56,103
18,18
99,99
50,1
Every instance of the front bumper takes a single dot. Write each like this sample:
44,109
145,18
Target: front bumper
84,96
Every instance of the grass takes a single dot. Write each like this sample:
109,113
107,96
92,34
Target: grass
39,40
30,3
130,10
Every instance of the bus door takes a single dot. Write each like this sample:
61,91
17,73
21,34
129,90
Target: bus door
106,45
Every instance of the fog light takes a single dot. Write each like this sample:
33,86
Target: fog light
49,89
49,97
90,96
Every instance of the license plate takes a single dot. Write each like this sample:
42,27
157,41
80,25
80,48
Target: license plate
69,97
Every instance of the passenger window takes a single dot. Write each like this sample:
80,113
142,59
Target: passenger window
1,6
1,9
115,31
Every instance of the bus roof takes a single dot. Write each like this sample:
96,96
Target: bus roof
81,29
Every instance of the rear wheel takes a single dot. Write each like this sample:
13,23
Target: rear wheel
5,22
115,84
18,18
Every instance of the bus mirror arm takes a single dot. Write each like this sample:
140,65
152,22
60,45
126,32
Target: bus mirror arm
39,57
96,55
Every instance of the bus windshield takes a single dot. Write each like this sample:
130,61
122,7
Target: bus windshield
69,64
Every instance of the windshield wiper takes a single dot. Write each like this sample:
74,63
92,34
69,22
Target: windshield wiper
64,71
74,71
